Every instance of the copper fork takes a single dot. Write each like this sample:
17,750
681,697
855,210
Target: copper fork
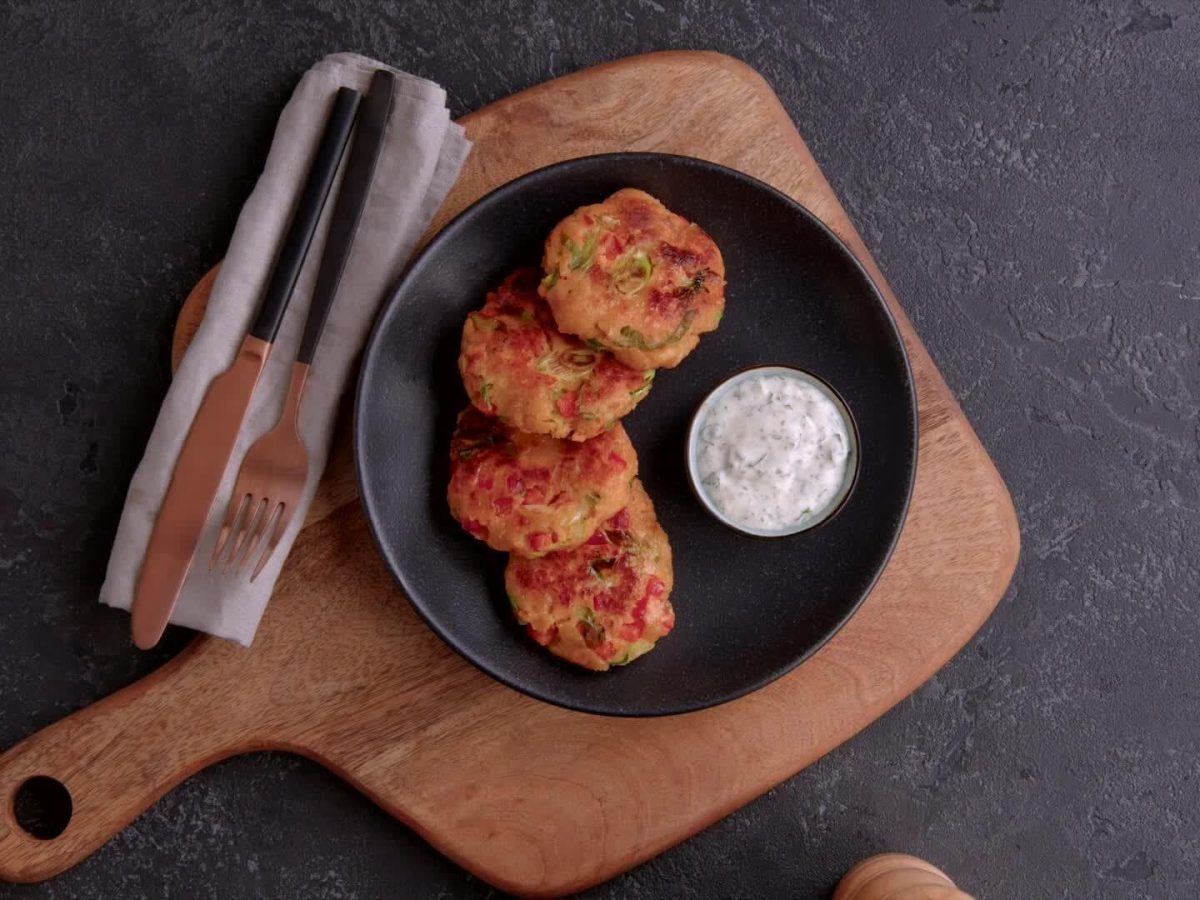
270,484
268,490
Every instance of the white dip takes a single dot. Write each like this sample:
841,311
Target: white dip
772,451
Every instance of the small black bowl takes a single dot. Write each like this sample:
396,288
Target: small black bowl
748,610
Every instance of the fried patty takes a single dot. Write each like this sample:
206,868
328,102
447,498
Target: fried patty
532,494
605,603
516,364
633,277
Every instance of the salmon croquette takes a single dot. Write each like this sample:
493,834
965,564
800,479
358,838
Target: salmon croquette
517,365
630,276
605,603
532,494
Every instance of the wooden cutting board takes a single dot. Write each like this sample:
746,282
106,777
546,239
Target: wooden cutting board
529,797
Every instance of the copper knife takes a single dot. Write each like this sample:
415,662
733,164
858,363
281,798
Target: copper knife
210,441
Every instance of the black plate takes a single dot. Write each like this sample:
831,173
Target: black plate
748,610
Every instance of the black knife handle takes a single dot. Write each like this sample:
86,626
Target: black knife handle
308,213
347,209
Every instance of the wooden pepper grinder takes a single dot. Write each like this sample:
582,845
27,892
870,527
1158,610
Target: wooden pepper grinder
897,876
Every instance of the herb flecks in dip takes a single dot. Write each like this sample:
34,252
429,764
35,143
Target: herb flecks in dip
773,452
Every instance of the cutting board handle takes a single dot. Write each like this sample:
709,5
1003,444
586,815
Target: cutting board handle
92,773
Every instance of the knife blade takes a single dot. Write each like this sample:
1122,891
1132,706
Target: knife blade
193,487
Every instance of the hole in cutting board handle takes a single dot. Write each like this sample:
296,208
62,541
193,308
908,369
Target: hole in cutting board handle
42,807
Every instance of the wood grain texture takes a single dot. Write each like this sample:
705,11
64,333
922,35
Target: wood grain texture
520,792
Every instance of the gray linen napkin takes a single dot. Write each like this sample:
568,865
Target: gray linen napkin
420,160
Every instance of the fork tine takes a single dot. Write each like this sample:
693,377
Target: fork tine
255,540
281,524
245,527
232,517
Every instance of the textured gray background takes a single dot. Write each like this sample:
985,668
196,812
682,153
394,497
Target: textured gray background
1027,174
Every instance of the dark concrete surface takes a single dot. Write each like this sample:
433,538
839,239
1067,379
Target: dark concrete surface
1028,176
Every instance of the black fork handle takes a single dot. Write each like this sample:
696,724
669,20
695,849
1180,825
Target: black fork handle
347,209
308,213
